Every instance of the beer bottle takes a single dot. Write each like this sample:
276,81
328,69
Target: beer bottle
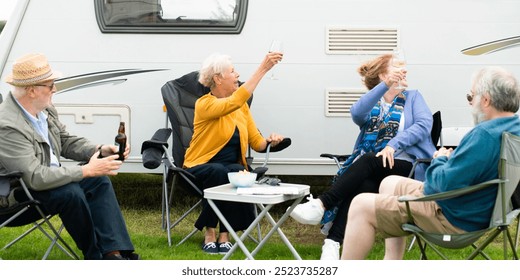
121,140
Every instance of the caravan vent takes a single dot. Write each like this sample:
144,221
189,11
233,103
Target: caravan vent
339,101
345,40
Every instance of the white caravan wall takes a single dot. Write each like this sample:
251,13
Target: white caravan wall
432,33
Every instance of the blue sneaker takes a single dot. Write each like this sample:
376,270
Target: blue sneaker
224,247
210,248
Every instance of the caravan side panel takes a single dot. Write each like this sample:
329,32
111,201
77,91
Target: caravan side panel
115,76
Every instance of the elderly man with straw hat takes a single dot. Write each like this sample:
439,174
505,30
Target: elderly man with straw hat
33,140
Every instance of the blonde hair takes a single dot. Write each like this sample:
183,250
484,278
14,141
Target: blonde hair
215,64
371,70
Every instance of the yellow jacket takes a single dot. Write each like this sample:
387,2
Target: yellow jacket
214,124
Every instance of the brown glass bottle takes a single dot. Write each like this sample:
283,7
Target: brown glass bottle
121,140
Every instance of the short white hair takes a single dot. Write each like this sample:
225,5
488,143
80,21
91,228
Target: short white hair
501,85
215,64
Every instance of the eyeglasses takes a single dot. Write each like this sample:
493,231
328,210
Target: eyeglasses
51,86
470,96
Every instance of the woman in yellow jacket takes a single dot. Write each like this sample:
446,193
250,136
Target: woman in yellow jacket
223,129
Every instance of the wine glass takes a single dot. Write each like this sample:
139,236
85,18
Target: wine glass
399,62
276,46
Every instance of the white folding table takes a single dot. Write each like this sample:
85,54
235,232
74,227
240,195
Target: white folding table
265,202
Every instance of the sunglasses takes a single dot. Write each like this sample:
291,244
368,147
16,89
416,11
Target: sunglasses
470,97
51,86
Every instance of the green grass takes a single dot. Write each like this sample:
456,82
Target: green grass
150,241
140,195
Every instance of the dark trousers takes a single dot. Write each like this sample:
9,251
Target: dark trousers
364,175
239,215
90,212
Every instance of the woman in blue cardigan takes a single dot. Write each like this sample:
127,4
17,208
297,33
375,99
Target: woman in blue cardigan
395,126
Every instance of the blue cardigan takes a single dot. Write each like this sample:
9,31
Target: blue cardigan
474,161
415,139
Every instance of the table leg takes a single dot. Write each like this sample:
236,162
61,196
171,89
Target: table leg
245,234
238,240
276,227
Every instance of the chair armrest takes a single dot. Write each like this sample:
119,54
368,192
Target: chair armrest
417,161
424,160
445,195
158,141
153,144
452,193
152,150
337,157
286,142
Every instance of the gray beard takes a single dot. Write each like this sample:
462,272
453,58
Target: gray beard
478,115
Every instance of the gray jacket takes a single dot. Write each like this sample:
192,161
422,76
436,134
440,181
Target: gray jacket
23,149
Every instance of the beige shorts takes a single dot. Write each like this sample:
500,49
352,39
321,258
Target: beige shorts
391,214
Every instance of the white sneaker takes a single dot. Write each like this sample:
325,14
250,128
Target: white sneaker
309,213
330,250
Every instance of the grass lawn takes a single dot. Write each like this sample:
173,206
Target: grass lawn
140,199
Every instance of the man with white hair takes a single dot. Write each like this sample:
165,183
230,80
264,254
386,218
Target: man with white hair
33,140
495,98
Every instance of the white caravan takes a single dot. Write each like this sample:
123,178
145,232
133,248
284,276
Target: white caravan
116,54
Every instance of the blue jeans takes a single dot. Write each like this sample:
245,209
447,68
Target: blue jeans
90,212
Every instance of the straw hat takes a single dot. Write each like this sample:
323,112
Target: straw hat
31,69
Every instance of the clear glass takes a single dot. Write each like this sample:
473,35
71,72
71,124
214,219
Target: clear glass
399,62
276,46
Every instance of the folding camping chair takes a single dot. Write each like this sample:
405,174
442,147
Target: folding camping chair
436,135
19,208
515,200
179,96
501,219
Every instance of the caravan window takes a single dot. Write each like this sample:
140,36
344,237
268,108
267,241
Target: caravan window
171,16
2,24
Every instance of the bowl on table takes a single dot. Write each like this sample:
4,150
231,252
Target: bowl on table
242,179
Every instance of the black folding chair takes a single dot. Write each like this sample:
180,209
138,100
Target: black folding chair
19,208
179,96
